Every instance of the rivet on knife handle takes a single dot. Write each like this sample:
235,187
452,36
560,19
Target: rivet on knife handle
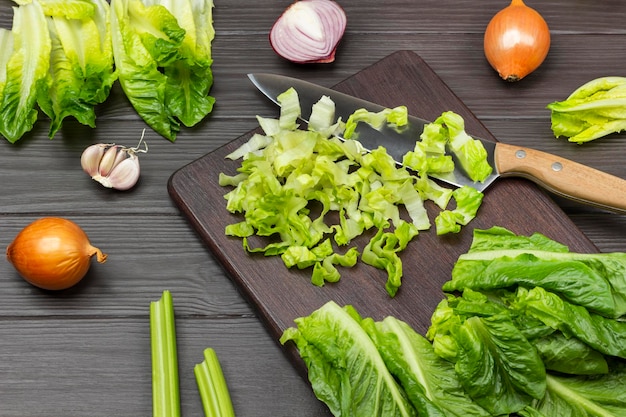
562,176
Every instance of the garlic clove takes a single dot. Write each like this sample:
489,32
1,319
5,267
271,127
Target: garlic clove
124,175
90,158
110,158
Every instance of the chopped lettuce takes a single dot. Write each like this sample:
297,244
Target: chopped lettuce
25,73
162,53
396,117
448,132
594,110
297,187
81,65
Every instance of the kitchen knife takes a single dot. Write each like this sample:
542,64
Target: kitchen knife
557,175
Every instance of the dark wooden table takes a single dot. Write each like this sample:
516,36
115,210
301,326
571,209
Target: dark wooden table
86,351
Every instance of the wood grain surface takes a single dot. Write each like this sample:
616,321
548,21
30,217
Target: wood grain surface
84,352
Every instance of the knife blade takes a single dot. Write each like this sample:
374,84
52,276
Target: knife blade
558,175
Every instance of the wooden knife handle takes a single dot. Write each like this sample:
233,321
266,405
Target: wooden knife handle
562,176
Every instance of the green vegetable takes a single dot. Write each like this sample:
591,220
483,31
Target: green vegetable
569,355
81,65
577,396
212,386
162,53
448,131
499,259
165,384
594,110
495,363
70,9
430,381
306,193
605,335
503,351
25,63
344,367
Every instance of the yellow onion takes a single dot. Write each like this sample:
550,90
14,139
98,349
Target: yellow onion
517,41
52,253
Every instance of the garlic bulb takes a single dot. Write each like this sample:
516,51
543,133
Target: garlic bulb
113,166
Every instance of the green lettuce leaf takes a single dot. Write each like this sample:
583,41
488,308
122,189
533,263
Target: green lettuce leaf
603,334
594,110
429,381
344,367
26,71
499,259
163,59
81,67
581,396
69,9
570,355
495,363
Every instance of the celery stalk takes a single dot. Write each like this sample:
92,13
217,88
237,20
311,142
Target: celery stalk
165,391
212,386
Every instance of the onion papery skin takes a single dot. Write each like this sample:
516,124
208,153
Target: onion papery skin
517,41
309,31
52,253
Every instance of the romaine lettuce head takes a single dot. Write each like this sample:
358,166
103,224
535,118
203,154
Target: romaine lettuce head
162,54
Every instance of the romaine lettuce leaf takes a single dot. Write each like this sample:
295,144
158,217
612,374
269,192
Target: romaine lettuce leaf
70,9
498,259
594,110
581,396
162,55
570,355
429,381
81,66
603,334
26,71
344,367
495,363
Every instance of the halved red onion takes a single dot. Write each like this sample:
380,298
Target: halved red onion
309,31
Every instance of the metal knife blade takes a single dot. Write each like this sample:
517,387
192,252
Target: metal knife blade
557,175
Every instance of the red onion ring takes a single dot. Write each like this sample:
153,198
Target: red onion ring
309,31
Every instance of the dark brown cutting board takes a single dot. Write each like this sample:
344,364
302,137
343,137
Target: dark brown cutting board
280,295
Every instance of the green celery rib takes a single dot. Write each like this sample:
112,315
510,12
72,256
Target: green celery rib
212,386
165,390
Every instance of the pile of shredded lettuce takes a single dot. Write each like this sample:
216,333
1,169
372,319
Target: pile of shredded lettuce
309,192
